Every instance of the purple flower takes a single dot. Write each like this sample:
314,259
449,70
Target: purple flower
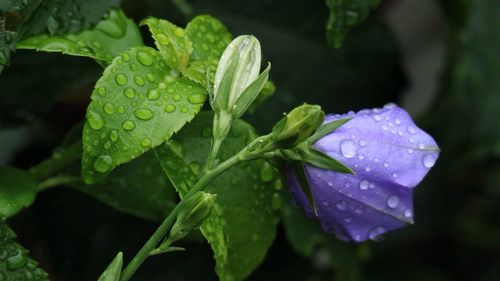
389,156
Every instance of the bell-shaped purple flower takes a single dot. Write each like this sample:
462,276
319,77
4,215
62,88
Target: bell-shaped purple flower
389,155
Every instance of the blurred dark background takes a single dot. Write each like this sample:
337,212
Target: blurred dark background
439,60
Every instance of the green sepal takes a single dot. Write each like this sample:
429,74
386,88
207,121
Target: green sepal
266,92
114,270
308,154
250,93
162,250
327,128
303,180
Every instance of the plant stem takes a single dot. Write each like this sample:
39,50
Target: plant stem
57,180
214,151
165,226
57,161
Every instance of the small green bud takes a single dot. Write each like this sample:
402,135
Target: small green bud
194,211
238,67
298,125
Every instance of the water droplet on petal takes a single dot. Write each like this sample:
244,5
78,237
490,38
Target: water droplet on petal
348,148
411,130
428,160
362,142
368,168
364,184
397,121
376,232
408,213
341,205
393,201
377,118
421,145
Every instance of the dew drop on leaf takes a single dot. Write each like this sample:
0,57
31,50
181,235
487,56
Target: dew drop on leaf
121,79
103,163
196,98
128,125
129,92
95,120
169,108
144,114
144,58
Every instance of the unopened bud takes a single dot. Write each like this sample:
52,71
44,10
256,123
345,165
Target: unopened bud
194,211
298,125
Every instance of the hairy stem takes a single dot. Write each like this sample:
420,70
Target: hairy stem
165,226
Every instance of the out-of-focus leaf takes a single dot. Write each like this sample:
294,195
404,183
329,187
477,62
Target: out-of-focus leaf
106,40
14,261
139,188
136,105
344,14
209,37
242,225
17,190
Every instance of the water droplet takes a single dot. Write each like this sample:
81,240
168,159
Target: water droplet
139,81
421,145
150,77
266,172
129,92
196,98
408,213
364,184
428,160
341,205
128,125
206,132
386,164
121,109
411,130
397,121
276,201
144,58
103,163
109,108
348,220
121,79
393,201
368,168
410,150
176,97
95,120
17,260
144,114
153,94
362,142
385,128
162,38
169,108
146,142
361,156
377,118
125,57
113,135
348,148
101,91
376,232
179,32
107,145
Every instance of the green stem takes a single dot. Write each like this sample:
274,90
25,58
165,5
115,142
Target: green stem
57,180
212,155
165,226
57,161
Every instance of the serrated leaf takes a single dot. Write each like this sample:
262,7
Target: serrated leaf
136,105
17,190
242,225
139,187
14,261
106,40
344,14
209,37
174,45
114,269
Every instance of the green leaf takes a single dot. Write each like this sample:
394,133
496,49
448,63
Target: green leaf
139,187
62,17
242,225
326,129
170,39
344,14
114,269
209,37
17,190
106,40
136,105
14,261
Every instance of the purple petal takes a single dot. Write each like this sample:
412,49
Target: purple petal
390,156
